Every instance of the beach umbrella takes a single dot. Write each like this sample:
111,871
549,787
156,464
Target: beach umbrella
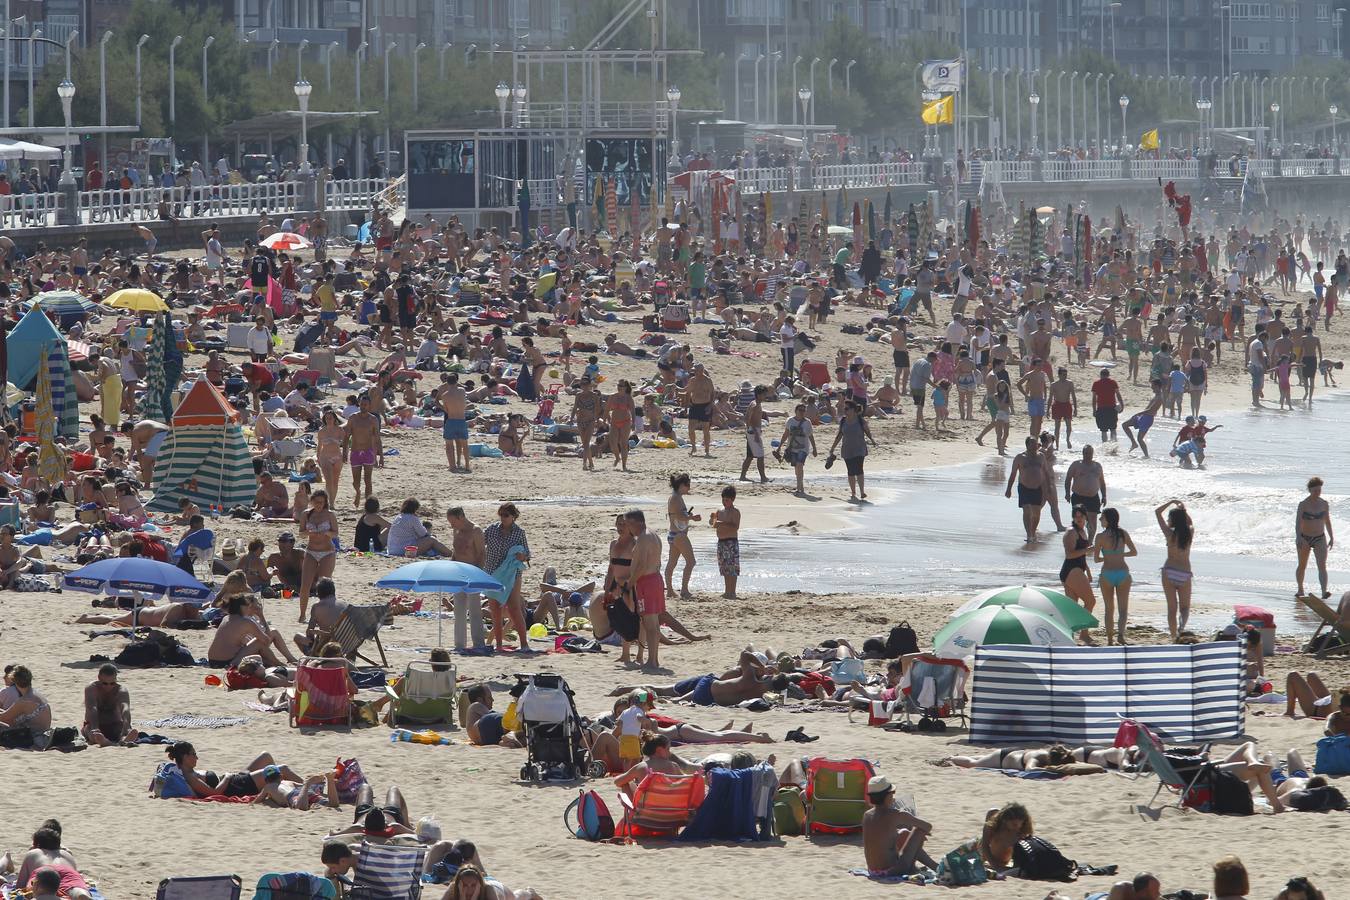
857,229
612,208
1050,603
834,230
123,575
801,212
886,211
523,200
136,300
62,303
440,576
152,397
635,220
599,201
871,220
767,199
998,625
912,228
840,198
824,209
173,366
50,467
286,240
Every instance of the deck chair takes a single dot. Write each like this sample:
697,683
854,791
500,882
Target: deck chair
294,886
934,687
738,806
200,887
1336,639
661,805
1157,761
286,452
388,872
319,696
424,696
356,625
836,795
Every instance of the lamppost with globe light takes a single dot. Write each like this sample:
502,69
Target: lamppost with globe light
1275,127
1203,105
519,93
503,92
804,98
68,213
930,131
1335,147
673,98
302,91
1035,100
1124,105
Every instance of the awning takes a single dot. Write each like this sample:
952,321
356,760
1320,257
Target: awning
23,149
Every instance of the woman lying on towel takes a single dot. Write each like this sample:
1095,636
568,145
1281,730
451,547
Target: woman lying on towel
1019,759
297,794
247,783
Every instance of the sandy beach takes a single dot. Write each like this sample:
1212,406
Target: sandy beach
127,842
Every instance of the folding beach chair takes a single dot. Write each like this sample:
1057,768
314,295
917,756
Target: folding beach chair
294,886
1330,639
356,625
319,696
661,805
934,687
388,872
424,696
1157,761
201,887
836,795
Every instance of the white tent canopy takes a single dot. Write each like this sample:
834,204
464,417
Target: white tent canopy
23,149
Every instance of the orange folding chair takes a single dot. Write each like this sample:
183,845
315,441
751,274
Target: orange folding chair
320,696
661,805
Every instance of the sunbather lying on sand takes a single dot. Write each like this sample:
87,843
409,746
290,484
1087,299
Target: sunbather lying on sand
751,679
149,616
1022,758
297,794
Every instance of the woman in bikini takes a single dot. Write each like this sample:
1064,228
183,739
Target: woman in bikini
1179,532
616,594
328,443
585,412
620,409
1312,534
1073,573
1003,828
319,526
679,515
30,710
1113,547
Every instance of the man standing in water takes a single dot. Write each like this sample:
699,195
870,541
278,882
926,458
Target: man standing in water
754,436
1028,471
1064,405
1310,355
647,583
699,396
1106,404
1032,385
1144,420
1085,486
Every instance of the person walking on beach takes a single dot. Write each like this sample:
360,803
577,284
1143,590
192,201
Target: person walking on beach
362,447
680,516
1107,404
1143,420
1074,574
1085,486
1310,356
855,436
920,380
1064,405
1112,548
1033,387
727,521
1312,529
698,397
645,576
792,446
1179,532
754,436
1028,472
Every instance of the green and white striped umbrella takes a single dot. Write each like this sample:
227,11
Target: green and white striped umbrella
152,397
1050,603
998,625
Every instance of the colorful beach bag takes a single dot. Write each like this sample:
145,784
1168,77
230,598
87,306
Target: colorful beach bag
789,811
963,866
169,782
593,821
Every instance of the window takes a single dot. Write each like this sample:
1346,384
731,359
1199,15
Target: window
1250,45
1253,10
1323,46
1324,12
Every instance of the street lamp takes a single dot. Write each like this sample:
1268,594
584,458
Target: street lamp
804,97
518,94
1334,146
360,120
761,59
1274,126
388,132
66,91
1124,105
416,54
139,44
1035,100
814,62
173,97
673,98
302,92
32,36
795,63
829,75
206,146
1204,104
300,59
102,96
848,81
441,54
503,92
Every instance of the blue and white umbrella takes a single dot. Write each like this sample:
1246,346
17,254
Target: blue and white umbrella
62,303
148,577
440,576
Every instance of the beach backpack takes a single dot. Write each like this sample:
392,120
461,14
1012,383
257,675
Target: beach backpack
961,867
901,640
593,821
1228,794
1037,858
789,811
169,782
350,779
1318,799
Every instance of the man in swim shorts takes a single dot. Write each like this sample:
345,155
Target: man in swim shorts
455,431
1085,486
698,396
648,584
1028,471
1063,405
362,447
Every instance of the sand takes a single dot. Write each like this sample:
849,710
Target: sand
127,842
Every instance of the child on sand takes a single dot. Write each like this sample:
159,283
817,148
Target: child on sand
940,395
727,521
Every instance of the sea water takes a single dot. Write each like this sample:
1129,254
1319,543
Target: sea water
950,530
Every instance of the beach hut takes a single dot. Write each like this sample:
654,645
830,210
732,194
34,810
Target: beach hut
205,457
35,342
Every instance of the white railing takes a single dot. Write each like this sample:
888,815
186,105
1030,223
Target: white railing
351,193
1017,170
131,205
545,193
28,210
1164,168
1301,168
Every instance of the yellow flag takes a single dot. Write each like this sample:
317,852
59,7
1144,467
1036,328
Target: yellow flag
939,112
1149,140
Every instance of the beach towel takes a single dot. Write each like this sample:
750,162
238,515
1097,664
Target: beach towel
737,807
506,573
921,877
191,720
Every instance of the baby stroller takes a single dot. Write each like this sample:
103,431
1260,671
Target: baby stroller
553,740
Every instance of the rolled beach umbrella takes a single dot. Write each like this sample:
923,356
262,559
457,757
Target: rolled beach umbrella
152,396
998,625
49,455
1052,604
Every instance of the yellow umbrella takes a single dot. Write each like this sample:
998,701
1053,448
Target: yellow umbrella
137,300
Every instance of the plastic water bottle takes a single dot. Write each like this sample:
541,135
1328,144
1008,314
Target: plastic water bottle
215,511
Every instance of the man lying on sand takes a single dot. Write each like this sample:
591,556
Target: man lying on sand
750,680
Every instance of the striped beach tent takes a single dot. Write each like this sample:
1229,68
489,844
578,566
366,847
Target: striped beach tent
204,457
35,343
1078,695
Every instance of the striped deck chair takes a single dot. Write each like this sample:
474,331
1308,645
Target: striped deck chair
355,626
934,687
294,886
661,805
319,696
201,887
1336,641
836,795
388,872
